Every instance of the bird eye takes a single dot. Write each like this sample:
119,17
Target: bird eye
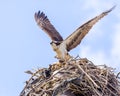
50,42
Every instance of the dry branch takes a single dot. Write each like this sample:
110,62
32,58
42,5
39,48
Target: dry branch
77,77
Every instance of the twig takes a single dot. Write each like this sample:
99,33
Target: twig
87,75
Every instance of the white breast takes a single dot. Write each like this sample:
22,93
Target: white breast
63,50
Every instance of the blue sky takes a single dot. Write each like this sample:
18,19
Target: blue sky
23,46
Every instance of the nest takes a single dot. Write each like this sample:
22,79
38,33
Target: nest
77,77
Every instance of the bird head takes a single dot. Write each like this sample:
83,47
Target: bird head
55,45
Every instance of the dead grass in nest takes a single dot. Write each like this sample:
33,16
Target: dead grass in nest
80,76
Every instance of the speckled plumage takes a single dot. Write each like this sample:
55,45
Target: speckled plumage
60,46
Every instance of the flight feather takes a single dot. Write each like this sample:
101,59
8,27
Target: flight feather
76,37
44,23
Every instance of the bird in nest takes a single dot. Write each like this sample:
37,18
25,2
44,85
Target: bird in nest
63,46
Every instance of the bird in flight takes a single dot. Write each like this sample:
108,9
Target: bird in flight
60,46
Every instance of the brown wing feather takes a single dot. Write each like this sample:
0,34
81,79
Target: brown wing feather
76,37
44,23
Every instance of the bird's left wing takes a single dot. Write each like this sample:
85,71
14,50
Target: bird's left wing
44,23
75,38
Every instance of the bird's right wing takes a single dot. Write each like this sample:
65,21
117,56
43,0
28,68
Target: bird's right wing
76,37
44,23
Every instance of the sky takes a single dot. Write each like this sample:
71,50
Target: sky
24,46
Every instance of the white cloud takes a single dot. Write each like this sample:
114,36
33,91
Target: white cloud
100,56
97,58
116,39
115,51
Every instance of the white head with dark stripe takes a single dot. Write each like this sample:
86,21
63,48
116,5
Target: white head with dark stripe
55,45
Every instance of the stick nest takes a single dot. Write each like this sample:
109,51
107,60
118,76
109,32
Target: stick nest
79,77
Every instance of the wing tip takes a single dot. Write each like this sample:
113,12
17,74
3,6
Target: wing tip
40,15
111,9
44,23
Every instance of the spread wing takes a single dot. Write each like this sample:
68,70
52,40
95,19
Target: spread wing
44,23
76,37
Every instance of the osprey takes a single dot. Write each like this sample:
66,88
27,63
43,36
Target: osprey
60,46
